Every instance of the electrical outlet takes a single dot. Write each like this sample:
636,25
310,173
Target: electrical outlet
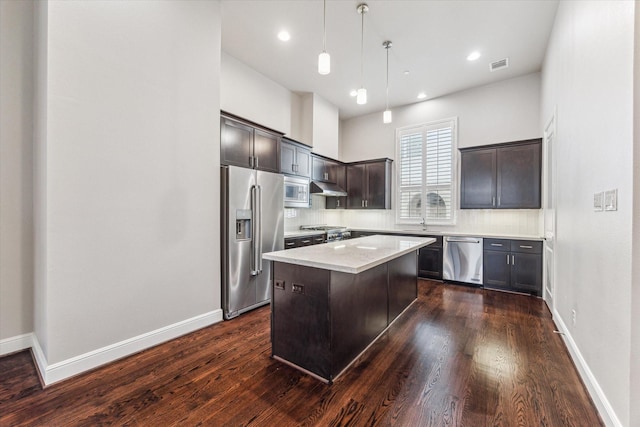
573,317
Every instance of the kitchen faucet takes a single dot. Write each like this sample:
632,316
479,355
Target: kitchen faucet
424,224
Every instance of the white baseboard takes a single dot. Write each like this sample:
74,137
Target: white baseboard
17,343
90,360
595,391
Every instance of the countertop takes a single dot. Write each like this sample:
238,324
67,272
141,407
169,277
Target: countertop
303,233
418,232
353,255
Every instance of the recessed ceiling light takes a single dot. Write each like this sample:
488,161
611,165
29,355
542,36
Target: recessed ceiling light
284,35
406,72
353,93
473,56
422,95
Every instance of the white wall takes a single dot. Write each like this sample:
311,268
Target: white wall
500,112
252,96
129,151
588,77
325,128
16,170
635,291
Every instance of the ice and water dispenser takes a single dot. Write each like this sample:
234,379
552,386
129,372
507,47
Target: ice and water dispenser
243,224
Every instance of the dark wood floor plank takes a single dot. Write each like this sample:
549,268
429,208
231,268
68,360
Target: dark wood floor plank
458,357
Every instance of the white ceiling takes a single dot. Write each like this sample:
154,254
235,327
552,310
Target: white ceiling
431,39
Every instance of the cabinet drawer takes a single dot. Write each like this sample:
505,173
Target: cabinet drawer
526,246
497,245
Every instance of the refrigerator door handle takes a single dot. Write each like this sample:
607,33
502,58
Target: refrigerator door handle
254,230
259,231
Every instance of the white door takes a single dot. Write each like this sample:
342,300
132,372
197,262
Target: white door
549,206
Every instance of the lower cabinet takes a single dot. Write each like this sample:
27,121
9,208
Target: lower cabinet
296,242
430,260
513,265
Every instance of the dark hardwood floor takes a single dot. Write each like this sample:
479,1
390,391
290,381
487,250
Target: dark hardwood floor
457,357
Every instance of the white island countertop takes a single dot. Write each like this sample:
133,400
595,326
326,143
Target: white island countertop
353,255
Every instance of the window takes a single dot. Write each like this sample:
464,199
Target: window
425,185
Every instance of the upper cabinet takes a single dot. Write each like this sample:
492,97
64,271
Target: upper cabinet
341,181
246,145
504,176
324,169
369,184
295,159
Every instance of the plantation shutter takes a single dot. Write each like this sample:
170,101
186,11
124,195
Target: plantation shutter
425,175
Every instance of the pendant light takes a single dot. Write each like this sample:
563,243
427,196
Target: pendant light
361,97
386,116
324,60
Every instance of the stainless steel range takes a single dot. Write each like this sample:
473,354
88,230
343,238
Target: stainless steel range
333,232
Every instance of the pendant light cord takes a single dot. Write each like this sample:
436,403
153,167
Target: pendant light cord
362,50
387,47
324,27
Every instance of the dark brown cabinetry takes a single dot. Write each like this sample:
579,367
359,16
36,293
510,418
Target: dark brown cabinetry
503,176
369,184
430,260
324,169
341,180
246,145
513,265
322,320
295,158
296,242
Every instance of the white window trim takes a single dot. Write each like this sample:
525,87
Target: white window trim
454,172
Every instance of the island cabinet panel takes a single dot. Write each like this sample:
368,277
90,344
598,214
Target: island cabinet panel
299,301
358,313
321,320
402,285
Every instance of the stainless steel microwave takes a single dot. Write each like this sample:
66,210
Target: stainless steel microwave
296,192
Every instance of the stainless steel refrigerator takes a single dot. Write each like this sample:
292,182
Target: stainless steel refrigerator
252,222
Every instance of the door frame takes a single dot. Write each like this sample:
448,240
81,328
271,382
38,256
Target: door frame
549,211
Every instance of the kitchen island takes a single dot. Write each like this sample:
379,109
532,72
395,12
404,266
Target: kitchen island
330,302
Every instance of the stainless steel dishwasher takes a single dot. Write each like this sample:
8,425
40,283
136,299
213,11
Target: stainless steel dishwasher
462,259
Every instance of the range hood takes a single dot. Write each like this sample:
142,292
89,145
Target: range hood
326,189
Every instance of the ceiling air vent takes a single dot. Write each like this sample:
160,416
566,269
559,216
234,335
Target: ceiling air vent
497,65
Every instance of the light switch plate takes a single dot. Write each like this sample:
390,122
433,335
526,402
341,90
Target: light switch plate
598,201
611,200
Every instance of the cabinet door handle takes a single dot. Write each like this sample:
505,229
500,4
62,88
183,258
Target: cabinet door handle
290,243
366,203
250,161
513,260
507,259
498,200
526,246
326,175
363,203
493,201
306,241
256,161
497,244
338,203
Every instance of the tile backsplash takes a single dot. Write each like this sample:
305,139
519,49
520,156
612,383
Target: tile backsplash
512,222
